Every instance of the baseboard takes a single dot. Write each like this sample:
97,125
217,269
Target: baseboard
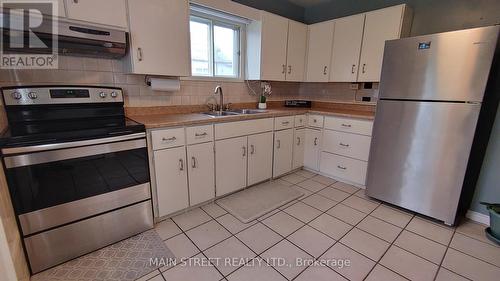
478,217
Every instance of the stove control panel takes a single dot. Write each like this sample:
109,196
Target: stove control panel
60,95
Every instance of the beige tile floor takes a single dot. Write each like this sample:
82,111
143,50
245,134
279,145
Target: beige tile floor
333,220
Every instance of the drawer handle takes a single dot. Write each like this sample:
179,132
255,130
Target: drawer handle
344,145
244,151
315,141
169,139
252,149
181,165
279,144
298,140
200,134
193,159
341,167
346,125
285,122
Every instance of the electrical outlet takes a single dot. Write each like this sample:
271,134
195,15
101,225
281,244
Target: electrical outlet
354,86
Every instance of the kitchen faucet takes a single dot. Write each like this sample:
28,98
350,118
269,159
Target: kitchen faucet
218,89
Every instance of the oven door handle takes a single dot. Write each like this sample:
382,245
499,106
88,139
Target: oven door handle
52,146
71,153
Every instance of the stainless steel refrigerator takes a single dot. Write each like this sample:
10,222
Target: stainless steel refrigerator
438,97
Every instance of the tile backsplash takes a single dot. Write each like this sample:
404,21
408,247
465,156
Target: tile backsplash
107,72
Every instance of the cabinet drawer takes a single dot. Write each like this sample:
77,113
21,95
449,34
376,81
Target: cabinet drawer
346,144
167,138
350,125
199,134
243,128
338,166
284,122
300,120
315,121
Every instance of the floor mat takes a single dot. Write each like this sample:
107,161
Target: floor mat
258,200
126,260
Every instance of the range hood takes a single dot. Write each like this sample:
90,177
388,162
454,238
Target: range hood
73,39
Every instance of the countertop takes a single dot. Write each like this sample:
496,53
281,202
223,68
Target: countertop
152,121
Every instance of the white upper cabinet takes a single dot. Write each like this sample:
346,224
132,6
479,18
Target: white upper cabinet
274,42
296,51
319,49
346,48
381,25
159,37
109,12
276,49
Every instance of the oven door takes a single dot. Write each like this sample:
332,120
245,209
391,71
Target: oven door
56,187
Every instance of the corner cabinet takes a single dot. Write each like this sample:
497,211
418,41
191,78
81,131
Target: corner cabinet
159,37
276,49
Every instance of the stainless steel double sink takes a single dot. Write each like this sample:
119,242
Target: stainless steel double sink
234,112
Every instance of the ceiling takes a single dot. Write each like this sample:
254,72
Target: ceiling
307,3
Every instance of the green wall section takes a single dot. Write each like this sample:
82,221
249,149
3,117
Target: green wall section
429,16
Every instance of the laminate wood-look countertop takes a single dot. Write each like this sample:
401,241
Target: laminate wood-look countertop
152,121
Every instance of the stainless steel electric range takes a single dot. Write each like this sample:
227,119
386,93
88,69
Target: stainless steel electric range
77,170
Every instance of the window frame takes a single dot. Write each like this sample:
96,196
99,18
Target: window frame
217,21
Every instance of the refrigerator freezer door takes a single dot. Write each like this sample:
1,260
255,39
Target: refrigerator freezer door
450,66
419,155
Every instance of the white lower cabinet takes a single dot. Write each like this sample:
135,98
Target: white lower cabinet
298,148
231,165
260,157
200,158
346,168
283,149
171,180
312,149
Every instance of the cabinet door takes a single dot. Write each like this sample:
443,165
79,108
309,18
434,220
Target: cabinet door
201,172
260,157
274,41
110,12
171,180
160,46
346,48
298,148
296,51
380,25
230,165
312,149
319,51
283,149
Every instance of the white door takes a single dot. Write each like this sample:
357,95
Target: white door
159,33
171,180
346,48
283,149
312,149
230,165
319,51
274,41
380,25
298,148
201,172
296,51
110,12
260,157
